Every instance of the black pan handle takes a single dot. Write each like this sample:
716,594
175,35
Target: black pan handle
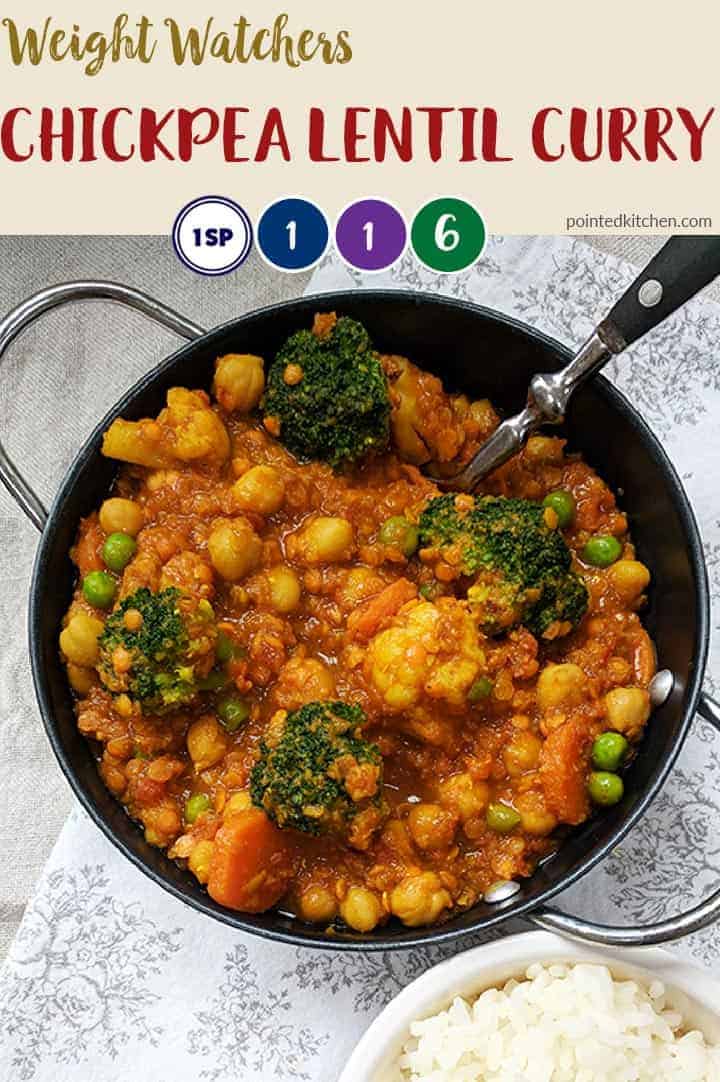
30,310
700,916
682,267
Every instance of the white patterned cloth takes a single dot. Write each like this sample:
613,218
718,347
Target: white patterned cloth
109,978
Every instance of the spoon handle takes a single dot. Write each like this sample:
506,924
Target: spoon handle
682,267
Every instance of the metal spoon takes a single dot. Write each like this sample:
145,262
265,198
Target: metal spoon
682,267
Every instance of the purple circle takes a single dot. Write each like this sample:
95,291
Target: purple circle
371,235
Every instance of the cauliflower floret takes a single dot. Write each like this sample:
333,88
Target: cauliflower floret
431,650
187,430
423,423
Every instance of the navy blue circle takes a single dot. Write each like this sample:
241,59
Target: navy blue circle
292,234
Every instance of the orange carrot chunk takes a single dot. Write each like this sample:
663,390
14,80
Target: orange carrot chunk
251,864
563,769
379,610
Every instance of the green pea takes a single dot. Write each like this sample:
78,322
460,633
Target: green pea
195,806
428,591
205,609
233,713
99,589
563,504
502,818
601,551
213,681
481,689
397,531
605,788
224,647
609,751
118,551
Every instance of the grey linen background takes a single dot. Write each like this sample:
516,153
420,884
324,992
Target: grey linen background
55,383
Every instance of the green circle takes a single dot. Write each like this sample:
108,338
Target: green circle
195,806
99,589
233,713
447,235
563,504
605,788
609,751
400,533
601,551
481,689
502,818
118,551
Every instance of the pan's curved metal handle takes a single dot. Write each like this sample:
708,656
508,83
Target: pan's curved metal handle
695,919
26,313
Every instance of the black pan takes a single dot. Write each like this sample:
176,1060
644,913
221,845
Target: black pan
474,350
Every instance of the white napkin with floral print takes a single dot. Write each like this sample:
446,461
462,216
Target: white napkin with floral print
110,978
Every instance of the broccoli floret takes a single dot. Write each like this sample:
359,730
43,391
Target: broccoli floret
564,602
315,773
171,638
520,565
327,396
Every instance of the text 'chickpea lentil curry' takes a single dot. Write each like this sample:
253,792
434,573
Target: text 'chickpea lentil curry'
318,682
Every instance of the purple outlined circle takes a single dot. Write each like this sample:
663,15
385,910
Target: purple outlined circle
212,212
371,235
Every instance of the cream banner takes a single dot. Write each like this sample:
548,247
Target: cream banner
550,118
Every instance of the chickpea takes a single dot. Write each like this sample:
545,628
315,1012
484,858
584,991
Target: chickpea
464,796
630,578
317,904
236,803
79,639
627,709
534,815
431,826
560,686
544,449
81,679
361,909
133,619
124,706
239,382
483,414
284,588
121,516
360,584
261,489
419,899
326,540
199,860
162,823
522,753
235,549
206,743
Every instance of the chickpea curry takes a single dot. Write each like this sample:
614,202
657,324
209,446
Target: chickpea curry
319,683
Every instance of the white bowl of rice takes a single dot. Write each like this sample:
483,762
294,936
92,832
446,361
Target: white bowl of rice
539,1008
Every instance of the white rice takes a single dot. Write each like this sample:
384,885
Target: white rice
572,1023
